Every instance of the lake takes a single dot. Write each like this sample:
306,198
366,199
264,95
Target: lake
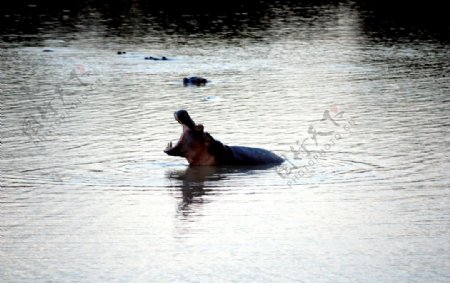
357,103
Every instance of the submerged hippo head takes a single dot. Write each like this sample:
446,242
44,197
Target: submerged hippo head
198,81
193,144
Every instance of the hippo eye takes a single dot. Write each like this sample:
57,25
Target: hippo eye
199,128
196,137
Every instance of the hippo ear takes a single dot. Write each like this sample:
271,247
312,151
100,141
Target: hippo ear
199,128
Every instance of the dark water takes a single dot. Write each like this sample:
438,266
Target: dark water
357,101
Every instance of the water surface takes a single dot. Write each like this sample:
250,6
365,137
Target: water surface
87,193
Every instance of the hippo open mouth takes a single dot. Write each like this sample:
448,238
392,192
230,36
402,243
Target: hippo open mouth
184,119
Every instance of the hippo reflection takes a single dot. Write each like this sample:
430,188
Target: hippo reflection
200,148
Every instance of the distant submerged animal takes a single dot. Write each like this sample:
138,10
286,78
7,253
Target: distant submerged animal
163,58
198,81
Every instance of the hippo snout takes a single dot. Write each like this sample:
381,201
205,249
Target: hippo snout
182,116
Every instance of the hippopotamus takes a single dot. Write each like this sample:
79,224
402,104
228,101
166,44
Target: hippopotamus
198,81
164,58
200,148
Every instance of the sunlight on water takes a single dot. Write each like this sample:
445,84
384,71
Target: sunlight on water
87,193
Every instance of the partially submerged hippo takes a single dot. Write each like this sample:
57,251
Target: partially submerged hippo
200,148
198,81
164,58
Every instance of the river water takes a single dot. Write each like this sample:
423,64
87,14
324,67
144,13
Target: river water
360,114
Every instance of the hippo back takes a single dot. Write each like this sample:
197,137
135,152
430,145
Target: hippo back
254,156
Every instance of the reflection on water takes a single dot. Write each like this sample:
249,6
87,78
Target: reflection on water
198,181
193,183
358,105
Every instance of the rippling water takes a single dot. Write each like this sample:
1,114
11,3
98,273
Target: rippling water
88,195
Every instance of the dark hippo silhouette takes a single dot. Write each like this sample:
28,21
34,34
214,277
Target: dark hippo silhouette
198,81
200,148
121,52
163,58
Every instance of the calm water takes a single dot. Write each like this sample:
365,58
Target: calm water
87,194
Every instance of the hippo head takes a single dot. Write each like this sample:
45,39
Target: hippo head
193,144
